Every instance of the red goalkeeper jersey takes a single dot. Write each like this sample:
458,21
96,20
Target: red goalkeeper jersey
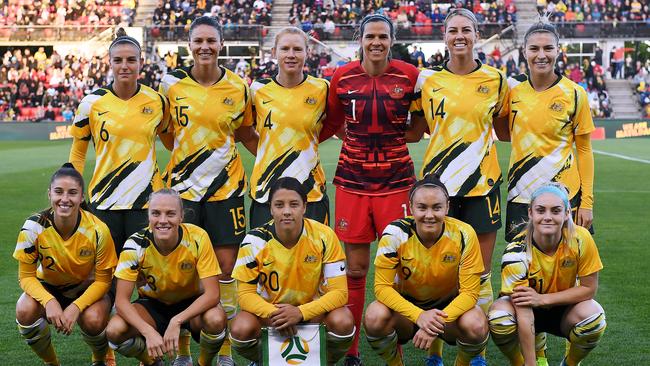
374,158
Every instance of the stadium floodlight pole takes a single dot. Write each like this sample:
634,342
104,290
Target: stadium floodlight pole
326,47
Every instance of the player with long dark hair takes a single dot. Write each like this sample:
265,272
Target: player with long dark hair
370,99
66,260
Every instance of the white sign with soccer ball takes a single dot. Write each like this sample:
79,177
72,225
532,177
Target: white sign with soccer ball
306,348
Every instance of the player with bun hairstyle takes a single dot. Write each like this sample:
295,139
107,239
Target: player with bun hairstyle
122,120
66,260
427,280
181,289
370,99
549,115
211,110
289,110
291,270
549,278
461,103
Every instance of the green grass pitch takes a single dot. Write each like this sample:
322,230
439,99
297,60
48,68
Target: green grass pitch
622,193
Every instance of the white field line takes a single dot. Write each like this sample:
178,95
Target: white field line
624,157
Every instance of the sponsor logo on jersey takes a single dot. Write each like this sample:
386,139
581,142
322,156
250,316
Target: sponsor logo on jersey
228,101
310,101
147,110
448,258
483,89
85,252
310,258
397,92
186,266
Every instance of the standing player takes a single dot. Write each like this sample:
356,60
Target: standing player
122,120
538,283
291,270
181,289
371,99
69,285
461,103
549,114
427,280
210,109
289,109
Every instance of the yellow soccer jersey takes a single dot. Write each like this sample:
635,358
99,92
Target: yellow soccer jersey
205,164
459,111
68,265
293,276
426,277
549,273
124,135
173,277
542,128
288,122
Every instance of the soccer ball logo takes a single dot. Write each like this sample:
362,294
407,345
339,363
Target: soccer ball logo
294,350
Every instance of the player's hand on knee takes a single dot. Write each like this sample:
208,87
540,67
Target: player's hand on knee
172,334
54,315
423,340
70,316
155,344
432,321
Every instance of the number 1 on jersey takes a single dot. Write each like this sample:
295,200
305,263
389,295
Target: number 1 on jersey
354,109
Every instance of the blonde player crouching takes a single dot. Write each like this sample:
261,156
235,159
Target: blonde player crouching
427,280
291,270
181,288
548,281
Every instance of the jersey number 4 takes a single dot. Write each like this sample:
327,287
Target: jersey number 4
267,121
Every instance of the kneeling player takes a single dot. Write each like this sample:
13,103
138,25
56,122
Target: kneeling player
181,288
291,270
427,280
538,284
73,247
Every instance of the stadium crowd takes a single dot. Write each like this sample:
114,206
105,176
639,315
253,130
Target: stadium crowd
642,85
594,11
231,12
324,16
67,12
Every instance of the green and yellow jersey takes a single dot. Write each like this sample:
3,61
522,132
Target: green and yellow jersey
411,278
205,164
124,135
66,265
289,121
300,275
173,277
459,110
543,126
549,273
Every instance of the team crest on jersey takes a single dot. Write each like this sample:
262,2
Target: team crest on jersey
483,89
310,258
147,110
556,107
343,225
228,101
310,101
85,252
448,258
568,262
397,92
186,266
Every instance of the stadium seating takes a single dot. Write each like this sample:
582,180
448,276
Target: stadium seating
67,12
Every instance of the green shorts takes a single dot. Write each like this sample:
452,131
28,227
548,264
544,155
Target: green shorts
122,224
261,212
517,217
483,213
225,221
